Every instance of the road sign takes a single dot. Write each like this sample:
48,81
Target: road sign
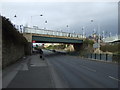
33,41
96,45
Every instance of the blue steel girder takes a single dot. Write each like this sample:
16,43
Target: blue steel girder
55,40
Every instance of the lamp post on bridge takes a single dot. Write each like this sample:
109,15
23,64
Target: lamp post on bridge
46,24
83,32
67,27
68,31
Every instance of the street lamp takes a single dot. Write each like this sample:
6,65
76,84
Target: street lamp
15,22
98,40
14,19
83,32
41,15
15,16
45,23
98,27
67,27
68,30
34,16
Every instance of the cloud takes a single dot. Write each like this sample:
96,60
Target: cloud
59,0
60,14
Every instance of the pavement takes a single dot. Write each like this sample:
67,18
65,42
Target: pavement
32,72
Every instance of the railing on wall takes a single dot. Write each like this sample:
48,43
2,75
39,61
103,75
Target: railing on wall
51,32
105,57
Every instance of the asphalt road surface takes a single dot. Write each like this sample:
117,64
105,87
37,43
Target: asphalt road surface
79,73
60,71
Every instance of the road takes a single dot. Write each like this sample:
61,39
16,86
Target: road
60,71
80,73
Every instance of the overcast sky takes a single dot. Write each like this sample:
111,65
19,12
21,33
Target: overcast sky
60,14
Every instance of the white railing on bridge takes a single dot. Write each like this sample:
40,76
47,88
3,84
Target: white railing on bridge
51,32
112,39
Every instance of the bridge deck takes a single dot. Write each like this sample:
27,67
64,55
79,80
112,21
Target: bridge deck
55,39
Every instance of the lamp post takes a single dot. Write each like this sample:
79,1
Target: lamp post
68,31
67,27
98,40
46,24
15,23
34,16
15,16
83,32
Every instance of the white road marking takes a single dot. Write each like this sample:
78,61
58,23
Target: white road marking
88,68
0,79
113,78
33,65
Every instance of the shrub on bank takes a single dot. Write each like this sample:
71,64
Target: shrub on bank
56,47
111,48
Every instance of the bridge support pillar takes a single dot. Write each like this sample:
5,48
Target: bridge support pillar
28,46
78,47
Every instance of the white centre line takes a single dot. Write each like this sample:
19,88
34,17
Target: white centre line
113,78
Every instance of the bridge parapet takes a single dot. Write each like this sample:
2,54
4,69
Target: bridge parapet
52,33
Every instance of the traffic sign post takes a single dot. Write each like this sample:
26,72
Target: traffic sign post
96,45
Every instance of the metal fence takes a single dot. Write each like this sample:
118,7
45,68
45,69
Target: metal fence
51,32
105,57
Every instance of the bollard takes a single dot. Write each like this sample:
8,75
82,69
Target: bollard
106,57
95,55
100,56
113,57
